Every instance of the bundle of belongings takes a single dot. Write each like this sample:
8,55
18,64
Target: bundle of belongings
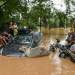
72,48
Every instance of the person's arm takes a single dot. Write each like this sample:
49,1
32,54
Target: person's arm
15,27
5,41
11,36
6,38
11,27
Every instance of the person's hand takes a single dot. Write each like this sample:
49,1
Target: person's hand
69,43
74,42
6,43
13,27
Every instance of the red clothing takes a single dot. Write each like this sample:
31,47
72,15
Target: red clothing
1,41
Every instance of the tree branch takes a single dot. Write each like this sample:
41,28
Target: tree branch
3,4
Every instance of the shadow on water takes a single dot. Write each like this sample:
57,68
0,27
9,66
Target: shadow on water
47,65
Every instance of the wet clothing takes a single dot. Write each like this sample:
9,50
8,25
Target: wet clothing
11,30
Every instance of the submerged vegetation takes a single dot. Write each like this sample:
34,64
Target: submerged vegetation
35,13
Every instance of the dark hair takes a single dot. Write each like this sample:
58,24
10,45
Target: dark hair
8,32
72,33
69,32
14,22
3,30
10,21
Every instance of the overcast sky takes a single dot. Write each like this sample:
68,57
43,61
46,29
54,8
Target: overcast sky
59,2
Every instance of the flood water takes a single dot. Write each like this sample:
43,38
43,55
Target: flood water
47,65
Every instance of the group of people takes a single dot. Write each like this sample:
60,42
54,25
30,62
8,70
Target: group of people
71,38
13,29
6,36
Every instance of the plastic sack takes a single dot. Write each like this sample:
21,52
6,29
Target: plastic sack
72,48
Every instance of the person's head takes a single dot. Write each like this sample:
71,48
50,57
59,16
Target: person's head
4,32
8,32
10,22
72,34
74,38
69,34
14,23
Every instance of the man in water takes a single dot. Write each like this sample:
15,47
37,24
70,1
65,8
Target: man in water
68,39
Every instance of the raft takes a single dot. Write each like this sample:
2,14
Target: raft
72,55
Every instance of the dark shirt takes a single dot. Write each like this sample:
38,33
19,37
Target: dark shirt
11,30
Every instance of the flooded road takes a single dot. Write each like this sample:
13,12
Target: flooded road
47,65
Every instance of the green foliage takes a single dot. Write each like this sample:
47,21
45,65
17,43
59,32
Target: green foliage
39,14
28,23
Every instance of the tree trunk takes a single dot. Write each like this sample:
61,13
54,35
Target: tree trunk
40,23
45,22
49,27
3,4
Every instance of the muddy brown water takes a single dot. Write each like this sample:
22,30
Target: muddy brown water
47,65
